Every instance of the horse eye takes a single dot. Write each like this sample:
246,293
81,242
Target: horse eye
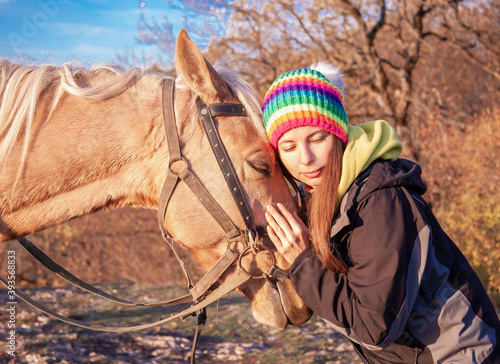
260,167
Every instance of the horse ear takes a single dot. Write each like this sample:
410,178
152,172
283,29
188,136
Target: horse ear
194,68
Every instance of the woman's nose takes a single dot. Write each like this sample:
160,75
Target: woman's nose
306,156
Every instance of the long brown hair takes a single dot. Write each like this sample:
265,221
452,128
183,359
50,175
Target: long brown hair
322,209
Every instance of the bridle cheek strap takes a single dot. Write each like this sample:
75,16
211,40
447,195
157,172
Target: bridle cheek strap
178,170
220,152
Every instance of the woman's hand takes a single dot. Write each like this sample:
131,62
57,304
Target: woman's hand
287,231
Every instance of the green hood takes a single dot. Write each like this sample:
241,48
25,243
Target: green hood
366,143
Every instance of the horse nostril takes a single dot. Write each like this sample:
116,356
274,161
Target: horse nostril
261,230
266,241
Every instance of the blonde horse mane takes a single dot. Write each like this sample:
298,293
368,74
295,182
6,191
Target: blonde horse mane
21,88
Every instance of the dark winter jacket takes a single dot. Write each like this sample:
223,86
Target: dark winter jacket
409,295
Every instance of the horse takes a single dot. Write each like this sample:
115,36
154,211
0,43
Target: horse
76,140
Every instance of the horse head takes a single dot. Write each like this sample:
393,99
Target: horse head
273,303
76,140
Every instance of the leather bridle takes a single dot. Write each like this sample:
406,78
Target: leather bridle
248,239
239,242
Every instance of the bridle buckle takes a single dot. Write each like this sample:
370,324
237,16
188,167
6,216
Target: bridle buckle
277,273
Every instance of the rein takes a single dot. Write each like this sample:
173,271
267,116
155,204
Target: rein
240,242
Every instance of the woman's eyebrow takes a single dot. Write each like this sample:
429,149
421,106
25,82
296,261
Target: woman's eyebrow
312,134
285,141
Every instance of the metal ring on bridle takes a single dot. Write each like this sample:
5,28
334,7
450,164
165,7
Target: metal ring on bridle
233,245
170,163
260,248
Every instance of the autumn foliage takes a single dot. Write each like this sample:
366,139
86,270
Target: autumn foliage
461,167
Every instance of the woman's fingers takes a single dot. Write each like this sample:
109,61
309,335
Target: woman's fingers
280,224
274,238
287,226
284,211
296,224
276,226
299,221
286,231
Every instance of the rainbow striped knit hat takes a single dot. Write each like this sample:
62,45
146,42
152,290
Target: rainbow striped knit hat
303,97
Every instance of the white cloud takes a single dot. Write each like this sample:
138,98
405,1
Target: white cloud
89,49
79,29
82,31
131,16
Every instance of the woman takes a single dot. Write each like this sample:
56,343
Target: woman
374,262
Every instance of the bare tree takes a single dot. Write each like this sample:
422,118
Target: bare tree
201,19
384,48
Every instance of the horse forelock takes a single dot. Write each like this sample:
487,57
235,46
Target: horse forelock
243,91
247,96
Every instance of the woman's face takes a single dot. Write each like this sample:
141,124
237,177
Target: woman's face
305,151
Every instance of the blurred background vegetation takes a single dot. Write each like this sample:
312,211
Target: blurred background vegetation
429,67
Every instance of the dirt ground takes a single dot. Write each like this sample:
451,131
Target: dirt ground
230,335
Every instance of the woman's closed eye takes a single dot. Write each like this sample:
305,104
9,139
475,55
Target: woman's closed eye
317,139
290,148
287,147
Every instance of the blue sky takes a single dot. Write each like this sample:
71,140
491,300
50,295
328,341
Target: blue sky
89,31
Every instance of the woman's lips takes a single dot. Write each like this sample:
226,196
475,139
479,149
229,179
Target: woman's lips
312,174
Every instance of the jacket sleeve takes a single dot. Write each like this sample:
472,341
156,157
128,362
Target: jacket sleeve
366,304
